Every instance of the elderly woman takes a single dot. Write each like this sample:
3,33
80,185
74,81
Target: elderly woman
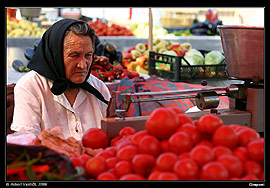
59,90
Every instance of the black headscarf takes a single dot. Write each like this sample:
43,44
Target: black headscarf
48,60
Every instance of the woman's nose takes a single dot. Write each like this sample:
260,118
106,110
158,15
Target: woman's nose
82,63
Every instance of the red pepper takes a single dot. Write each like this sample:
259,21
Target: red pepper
110,78
95,73
131,48
176,51
103,60
175,46
98,68
134,74
36,168
125,63
109,67
117,70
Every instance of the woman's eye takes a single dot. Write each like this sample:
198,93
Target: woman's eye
88,56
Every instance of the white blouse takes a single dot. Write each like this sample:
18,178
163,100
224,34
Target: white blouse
37,108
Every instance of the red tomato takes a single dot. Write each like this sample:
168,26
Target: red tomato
247,135
209,123
162,123
186,169
214,171
85,158
95,138
136,138
225,136
241,153
123,143
206,143
154,175
233,165
221,150
150,145
202,155
180,142
192,131
184,155
77,162
252,167
167,176
164,145
114,141
95,166
111,149
183,119
126,131
111,162
132,177
105,154
255,150
106,176
143,163
165,161
127,153
122,168
249,177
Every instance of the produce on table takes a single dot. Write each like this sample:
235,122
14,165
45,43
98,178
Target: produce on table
23,28
141,29
103,29
203,149
216,152
106,71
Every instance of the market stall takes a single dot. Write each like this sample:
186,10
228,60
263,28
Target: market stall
180,106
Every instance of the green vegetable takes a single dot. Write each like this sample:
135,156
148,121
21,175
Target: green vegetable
194,57
213,58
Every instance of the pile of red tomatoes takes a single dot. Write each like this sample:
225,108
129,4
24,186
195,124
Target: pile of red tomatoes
175,147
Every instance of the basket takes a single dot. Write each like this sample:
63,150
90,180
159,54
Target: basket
173,69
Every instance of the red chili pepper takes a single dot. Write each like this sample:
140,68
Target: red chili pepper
117,70
109,67
36,168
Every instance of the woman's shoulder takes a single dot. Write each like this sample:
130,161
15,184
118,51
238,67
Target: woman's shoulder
32,80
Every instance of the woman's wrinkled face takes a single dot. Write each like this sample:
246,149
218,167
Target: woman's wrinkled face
78,54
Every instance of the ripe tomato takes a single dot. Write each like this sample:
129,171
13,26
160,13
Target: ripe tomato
214,170
192,131
111,149
154,175
247,135
111,162
150,145
205,143
136,138
84,157
225,136
106,176
167,176
77,162
249,177
183,119
165,161
255,150
105,154
162,123
114,141
95,166
233,165
180,142
126,131
184,155
95,138
209,123
164,145
186,169
123,143
252,167
241,153
122,168
143,163
202,154
127,153
132,177
221,150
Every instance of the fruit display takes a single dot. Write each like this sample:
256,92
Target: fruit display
136,58
106,71
175,147
103,29
141,29
23,28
